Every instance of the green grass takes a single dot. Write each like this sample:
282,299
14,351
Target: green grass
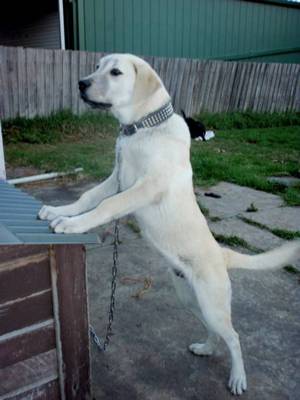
248,119
248,156
235,241
62,142
291,270
264,145
282,233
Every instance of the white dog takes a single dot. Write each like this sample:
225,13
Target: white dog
152,178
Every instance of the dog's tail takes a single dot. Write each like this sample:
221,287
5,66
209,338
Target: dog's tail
273,259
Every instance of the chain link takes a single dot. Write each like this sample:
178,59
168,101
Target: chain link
102,346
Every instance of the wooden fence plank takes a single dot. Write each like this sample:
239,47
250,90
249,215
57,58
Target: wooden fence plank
272,79
74,81
66,77
12,69
82,73
259,83
247,81
276,88
186,87
31,82
264,88
178,83
40,78
294,102
57,80
210,85
6,112
217,88
286,87
200,82
49,92
22,82
228,87
191,84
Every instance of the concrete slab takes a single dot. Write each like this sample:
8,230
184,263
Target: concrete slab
148,357
236,199
287,218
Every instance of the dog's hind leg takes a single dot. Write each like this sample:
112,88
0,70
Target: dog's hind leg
188,298
214,299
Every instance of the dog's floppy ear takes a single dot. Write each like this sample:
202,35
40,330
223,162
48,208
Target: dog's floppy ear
146,81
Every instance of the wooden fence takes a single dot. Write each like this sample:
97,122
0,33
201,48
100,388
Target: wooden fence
40,82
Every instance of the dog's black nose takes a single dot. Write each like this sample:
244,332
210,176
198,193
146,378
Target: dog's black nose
84,84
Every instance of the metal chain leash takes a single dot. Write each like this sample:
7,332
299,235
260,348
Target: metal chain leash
95,337
102,346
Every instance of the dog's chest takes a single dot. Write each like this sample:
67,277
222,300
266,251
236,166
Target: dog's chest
131,160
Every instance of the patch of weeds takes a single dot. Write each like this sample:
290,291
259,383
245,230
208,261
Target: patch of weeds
291,270
57,127
254,223
252,208
215,219
204,210
235,241
133,226
282,233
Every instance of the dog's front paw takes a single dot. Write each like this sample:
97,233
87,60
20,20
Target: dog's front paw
237,382
67,225
48,213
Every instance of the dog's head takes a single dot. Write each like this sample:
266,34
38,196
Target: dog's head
120,80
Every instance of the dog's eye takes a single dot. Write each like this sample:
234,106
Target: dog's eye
115,72
97,66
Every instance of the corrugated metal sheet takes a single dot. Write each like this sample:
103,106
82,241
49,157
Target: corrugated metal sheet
19,223
207,29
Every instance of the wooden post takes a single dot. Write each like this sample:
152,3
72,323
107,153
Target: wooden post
68,272
2,162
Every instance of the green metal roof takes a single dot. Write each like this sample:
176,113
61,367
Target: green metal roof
19,223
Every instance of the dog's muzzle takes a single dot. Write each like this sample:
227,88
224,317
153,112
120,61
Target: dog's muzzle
83,85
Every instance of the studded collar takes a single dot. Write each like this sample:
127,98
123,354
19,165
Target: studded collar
153,119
